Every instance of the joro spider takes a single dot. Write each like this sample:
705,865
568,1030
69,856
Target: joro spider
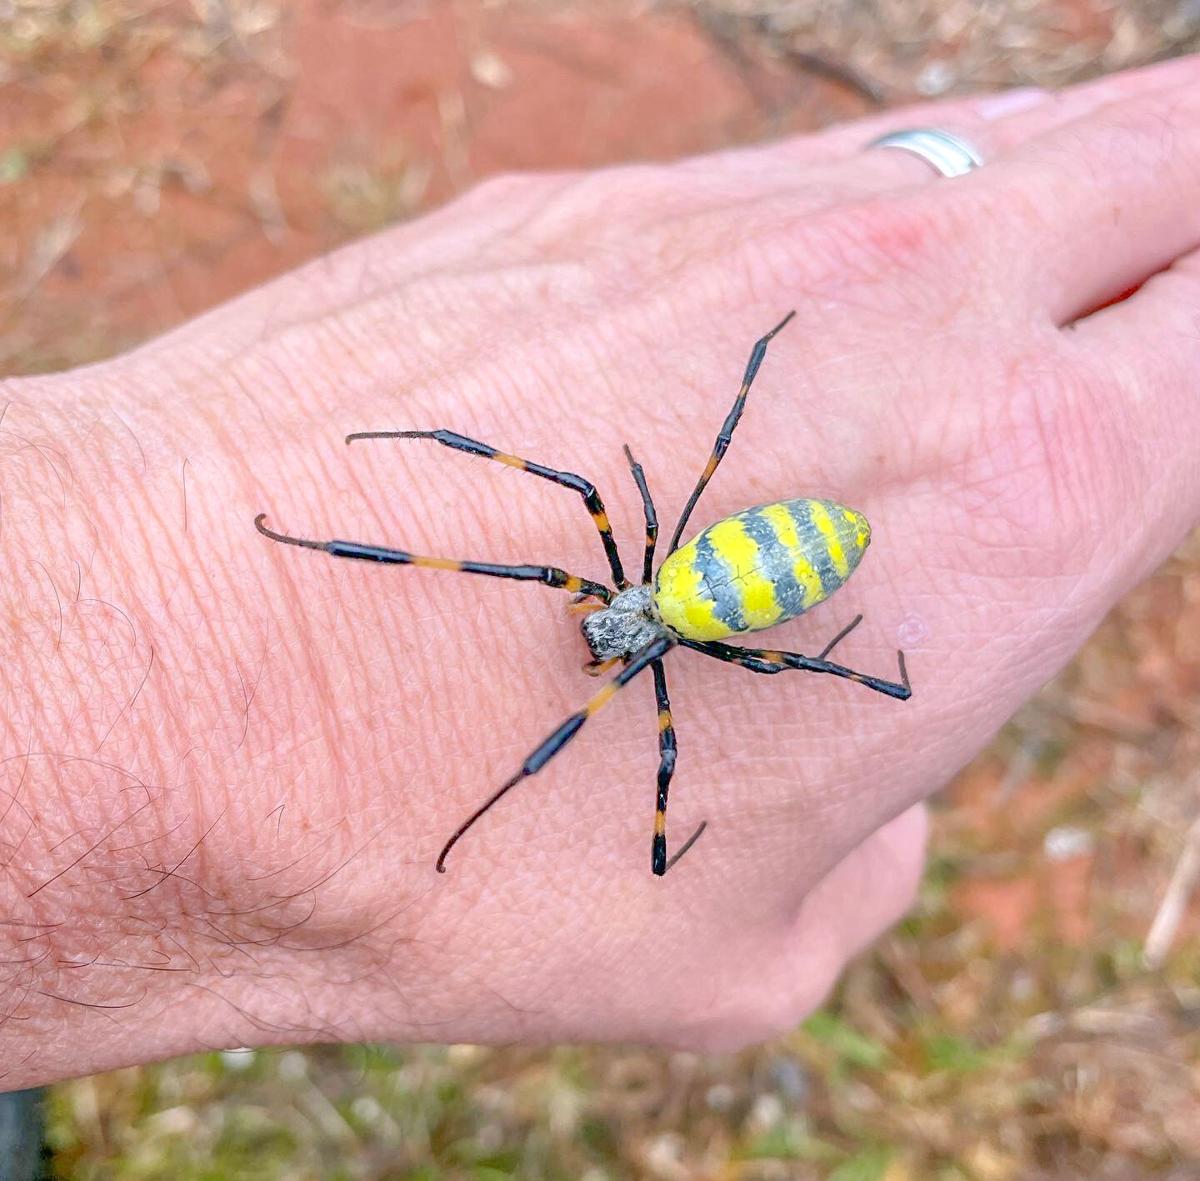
750,571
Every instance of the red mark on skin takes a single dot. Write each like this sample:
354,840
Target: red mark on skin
894,233
1120,298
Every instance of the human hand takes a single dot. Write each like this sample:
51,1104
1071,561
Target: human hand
225,815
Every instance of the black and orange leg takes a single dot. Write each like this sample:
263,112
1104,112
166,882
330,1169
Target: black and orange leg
585,488
763,660
562,735
639,478
547,575
667,751
726,434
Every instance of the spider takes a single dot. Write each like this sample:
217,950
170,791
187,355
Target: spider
750,571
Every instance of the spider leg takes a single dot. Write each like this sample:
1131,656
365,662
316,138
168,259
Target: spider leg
763,660
580,605
548,575
639,478
840,636
585,488
722,444
563,734
666,768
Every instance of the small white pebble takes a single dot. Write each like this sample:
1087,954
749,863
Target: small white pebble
366,1108
1067,841
936,78
664,1156
766,1112
238,1058
491,70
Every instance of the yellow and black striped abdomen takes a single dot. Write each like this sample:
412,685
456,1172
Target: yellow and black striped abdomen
760,567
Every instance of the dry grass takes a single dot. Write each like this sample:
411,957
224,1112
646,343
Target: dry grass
1011,1029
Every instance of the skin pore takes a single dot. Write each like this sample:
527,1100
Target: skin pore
229,765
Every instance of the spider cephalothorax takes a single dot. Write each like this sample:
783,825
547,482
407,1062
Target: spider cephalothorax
625,626
745,573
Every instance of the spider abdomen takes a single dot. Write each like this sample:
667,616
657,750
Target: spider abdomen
759,567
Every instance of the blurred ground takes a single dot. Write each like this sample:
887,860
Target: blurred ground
156,158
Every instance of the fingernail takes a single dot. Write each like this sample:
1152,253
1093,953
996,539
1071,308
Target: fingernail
1009,102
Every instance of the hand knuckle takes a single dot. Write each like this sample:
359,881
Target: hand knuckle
889,254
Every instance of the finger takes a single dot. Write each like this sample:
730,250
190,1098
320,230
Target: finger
993,123
1160,317
1148,346
869,890
812,173
1073,217
1008,117
863,896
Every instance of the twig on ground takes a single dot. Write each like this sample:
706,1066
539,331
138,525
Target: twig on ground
1174,903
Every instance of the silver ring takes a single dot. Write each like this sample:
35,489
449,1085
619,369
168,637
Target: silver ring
947,154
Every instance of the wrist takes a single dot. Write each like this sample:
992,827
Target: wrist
168,864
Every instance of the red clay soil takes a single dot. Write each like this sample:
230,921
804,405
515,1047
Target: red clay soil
159,162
